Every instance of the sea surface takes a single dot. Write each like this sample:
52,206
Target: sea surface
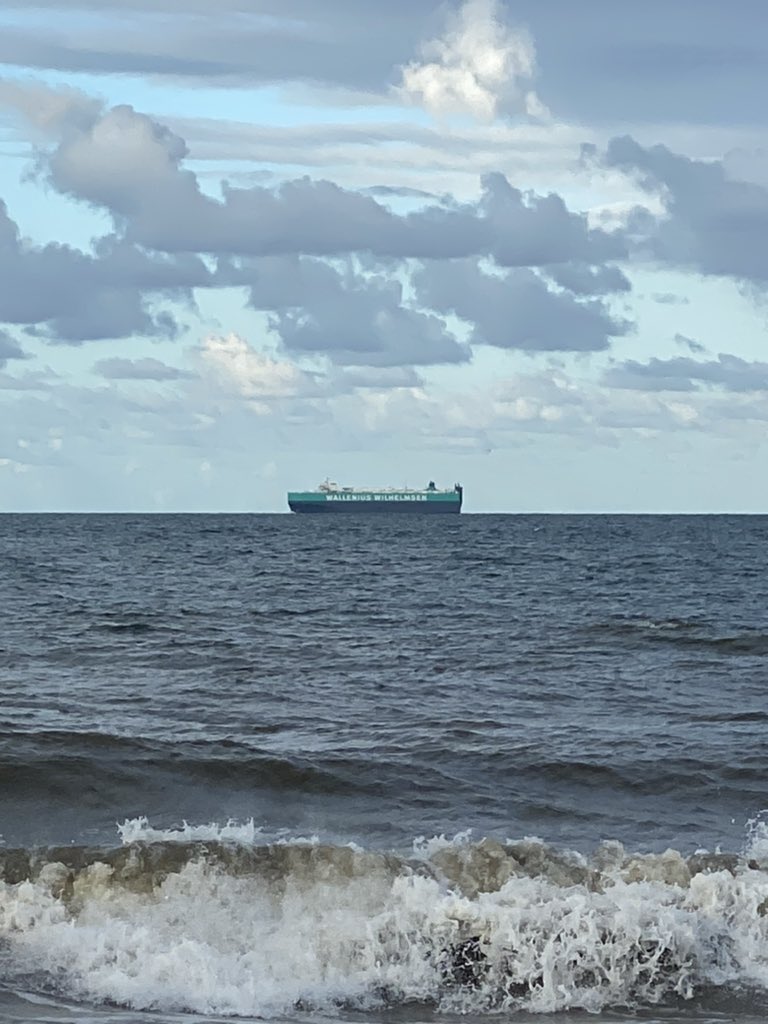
383,770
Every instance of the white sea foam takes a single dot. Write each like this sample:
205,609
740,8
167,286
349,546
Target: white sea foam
424,847
757,837
321,926
135,830
247,833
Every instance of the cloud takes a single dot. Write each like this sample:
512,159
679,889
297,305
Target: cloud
689,343
714,224
612,69
479,67
582,279
50,111
13,466
131,165
381,157
373,329
231,44
9,349
241,369
138,369
352,318
532,230
398,192
44,49
751,165
64,294
516,309
728,372
329,266
121,160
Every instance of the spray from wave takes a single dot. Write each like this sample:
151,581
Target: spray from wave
216,920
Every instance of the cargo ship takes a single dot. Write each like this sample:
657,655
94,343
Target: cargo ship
329,497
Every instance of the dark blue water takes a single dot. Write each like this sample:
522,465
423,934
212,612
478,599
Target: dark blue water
246,696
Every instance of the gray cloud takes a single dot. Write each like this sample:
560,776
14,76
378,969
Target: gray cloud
401,192
389,335
651,63
669,299
287,42
138,369
585,280
533,230
516,309
656,375
715,225
131,165
9,349
354,319
46,50
63,294
690,344
684,374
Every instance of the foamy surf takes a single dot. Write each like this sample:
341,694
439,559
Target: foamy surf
211,920
136,830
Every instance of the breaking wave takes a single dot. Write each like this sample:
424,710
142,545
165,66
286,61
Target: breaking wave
218,920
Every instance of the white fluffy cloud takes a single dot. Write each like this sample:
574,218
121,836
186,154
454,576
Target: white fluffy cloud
240,368
479,67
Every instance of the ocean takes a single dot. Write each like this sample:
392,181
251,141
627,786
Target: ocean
383,771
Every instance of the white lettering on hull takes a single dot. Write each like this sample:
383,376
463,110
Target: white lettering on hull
375,497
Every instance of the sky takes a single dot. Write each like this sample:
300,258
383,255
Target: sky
248,245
